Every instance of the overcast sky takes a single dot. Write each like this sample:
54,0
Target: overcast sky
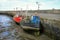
44,4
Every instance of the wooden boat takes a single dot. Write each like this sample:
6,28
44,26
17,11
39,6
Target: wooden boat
27,25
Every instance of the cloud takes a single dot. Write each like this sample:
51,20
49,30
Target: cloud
3,0
50,4
11,4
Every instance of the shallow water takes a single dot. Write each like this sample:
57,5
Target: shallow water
5,20
8,31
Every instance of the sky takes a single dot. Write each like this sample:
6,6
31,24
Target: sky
29,4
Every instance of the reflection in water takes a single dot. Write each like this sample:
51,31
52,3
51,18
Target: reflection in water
4,21
4,34
5,26
9,31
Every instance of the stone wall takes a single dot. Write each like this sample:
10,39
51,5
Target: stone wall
51,30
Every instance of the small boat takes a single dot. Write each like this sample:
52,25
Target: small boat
26,24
